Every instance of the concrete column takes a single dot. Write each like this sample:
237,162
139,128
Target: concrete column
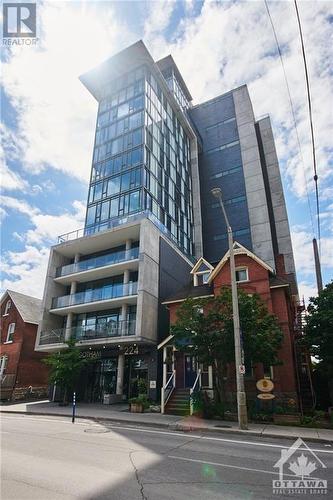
120,374
76,258
124,324
128,247
73,287
69,321
126,282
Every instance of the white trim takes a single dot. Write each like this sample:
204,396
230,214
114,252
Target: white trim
165,341
279,286
182,300
198,264
238,250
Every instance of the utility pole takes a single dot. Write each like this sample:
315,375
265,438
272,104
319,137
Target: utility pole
241,396
317,265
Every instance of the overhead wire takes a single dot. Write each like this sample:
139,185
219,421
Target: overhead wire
293,114
315,177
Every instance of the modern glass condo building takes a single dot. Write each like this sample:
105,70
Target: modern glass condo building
141,158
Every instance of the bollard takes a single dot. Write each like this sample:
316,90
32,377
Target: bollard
73,413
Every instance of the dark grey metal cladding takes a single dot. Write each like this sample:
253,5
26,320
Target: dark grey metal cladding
216,123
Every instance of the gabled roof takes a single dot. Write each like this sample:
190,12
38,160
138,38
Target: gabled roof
29,308
201,262
238,250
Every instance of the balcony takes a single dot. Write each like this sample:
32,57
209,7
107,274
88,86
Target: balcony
94,299
95,268
114,329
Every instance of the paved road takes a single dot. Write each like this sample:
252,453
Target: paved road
48,458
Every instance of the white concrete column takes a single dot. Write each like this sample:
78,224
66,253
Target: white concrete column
69,321
76,258
73,287
126,281
120,374
124,324
128,247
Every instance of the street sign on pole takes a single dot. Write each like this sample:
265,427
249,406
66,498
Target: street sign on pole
242,369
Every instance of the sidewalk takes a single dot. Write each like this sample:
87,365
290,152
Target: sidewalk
119,413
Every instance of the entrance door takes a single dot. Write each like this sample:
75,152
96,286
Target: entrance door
190,370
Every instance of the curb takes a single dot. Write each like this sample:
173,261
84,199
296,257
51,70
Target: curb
175,426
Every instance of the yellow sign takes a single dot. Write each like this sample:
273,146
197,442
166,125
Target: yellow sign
265,396
265,385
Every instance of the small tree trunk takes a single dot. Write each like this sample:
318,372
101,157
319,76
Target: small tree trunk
219,376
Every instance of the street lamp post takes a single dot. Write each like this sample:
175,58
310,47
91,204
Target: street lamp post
241,397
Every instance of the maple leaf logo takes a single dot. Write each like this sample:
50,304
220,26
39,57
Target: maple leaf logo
302,467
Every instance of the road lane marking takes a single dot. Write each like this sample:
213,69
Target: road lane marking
229,466
174,433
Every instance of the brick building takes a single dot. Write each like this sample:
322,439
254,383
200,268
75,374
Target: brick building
279,293
22,372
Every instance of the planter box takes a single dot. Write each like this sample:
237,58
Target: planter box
136,408
285,418
110,399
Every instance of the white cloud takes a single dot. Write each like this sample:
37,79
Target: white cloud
57,114
303,252
25,270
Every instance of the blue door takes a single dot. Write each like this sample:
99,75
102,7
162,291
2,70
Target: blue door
190,370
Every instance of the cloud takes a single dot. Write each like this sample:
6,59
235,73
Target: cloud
24,271
303,252
56,113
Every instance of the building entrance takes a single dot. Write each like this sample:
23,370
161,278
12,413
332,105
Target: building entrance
99,378
136,368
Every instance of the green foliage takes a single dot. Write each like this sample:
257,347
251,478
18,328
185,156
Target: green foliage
142,386
65,367
209,335
141,399
319,330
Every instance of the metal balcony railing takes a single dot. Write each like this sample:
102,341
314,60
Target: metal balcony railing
55,336
121,328
94,295
101,261
119,221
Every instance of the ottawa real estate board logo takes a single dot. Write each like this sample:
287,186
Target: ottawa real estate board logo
19,23
298,467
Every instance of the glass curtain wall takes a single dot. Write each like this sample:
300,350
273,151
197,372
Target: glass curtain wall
141,159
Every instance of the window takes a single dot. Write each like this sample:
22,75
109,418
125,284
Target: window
8,306
3,364
10,332
242,275
268,371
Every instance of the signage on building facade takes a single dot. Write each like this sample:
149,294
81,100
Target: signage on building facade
265,395
265,385
91,354
131,350
152,384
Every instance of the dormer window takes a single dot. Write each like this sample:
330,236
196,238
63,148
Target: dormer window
201,272
242,274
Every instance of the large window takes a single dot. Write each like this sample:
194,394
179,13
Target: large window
10,332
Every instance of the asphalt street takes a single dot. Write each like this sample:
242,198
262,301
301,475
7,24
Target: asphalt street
50,458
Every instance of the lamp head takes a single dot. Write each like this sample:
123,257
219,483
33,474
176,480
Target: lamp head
217,193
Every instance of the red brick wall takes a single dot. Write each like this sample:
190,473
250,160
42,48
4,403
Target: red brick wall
24,364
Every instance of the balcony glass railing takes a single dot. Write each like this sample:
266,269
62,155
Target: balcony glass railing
101,261
94,295
121,328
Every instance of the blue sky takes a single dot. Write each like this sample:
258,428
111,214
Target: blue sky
48,117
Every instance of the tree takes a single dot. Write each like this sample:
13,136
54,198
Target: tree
318,333
204,328
65,367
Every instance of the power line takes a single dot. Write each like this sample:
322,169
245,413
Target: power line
293,113
315,177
